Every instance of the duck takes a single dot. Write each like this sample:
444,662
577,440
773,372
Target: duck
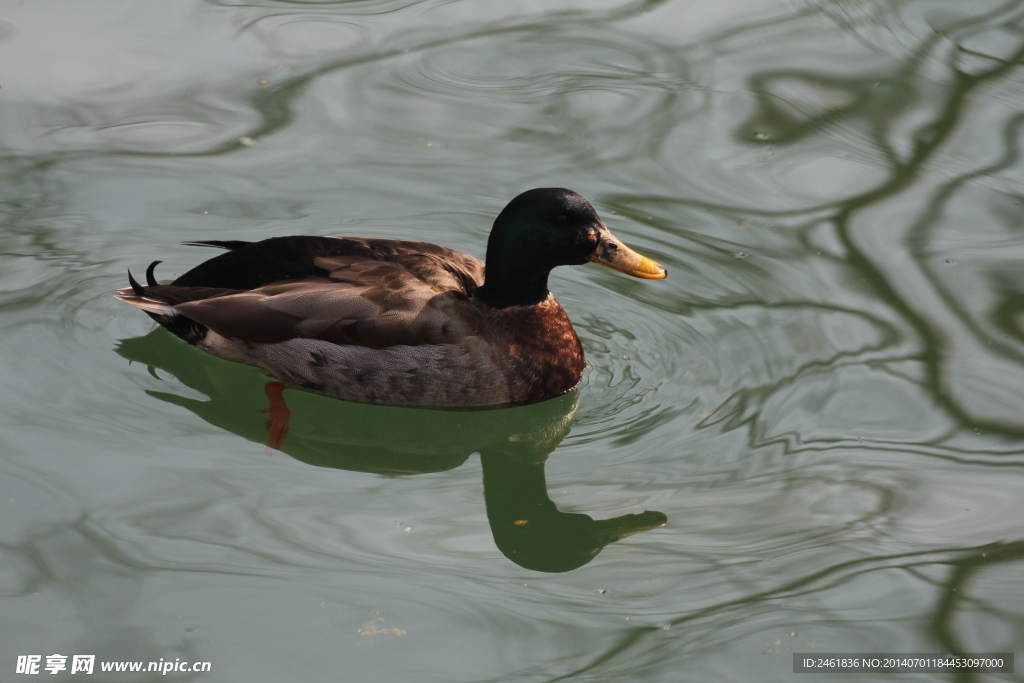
399,322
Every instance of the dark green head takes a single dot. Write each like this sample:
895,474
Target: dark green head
545,228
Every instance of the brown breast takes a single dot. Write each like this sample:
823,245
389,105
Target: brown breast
544,356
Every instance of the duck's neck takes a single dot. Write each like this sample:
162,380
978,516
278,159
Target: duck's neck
513,286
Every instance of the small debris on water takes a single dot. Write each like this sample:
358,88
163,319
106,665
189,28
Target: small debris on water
520,522
245,141
761,136
373,627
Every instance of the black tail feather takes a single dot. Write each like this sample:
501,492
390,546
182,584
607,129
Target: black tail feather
136,287
150,278
220,244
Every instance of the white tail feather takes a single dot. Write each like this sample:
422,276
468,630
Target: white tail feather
146,304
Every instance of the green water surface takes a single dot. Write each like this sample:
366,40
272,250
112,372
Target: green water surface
824,401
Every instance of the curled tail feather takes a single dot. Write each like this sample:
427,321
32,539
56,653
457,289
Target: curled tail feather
136,296
150,277
158,301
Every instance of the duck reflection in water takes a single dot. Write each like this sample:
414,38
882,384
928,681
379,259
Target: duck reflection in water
513,443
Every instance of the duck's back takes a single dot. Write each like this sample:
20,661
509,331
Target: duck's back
248,265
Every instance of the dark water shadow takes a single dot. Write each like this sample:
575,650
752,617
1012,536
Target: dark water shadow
513,443
954,593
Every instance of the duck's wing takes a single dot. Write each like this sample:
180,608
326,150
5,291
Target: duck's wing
363,292
249,265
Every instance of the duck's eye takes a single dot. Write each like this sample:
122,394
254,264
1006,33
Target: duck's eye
561,219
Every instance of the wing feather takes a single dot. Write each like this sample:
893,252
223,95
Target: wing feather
412,293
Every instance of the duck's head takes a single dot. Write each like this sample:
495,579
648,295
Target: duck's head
545,228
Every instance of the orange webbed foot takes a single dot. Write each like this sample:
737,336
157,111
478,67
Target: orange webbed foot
279,413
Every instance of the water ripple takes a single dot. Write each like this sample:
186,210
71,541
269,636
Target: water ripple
823,397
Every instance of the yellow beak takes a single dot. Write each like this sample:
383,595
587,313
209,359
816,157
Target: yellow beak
613,253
